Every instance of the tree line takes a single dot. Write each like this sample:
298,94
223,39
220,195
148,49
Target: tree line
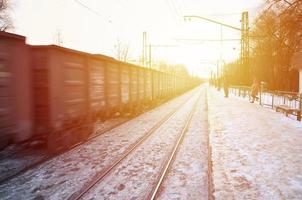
275,36
5,18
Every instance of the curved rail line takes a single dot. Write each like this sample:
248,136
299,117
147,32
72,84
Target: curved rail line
78,195
165,168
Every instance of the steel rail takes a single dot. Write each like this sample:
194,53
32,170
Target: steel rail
154,192
135,145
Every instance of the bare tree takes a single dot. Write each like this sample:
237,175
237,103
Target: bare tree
274,38
177,69
58,37
5,19
280,30
121,50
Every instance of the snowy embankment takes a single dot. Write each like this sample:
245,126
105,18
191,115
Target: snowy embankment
65,174
256,152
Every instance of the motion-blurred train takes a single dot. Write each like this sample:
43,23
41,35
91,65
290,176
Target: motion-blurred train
48,90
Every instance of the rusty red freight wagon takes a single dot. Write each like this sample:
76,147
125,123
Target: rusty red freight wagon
148,86
155,85
15,89
125,87
62,84
58,93
97,89
134,86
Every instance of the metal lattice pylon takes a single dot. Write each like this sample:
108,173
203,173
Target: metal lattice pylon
244,54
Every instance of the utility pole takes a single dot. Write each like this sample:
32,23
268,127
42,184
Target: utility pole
150,57
144,53
244,70
244,53
146,50
221,51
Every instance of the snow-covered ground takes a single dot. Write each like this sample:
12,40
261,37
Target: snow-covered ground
65,174
17,157
256,152
136,175
188,176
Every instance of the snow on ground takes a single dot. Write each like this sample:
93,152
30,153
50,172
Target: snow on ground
14,158
256,152
136,175
17,157
188,176
65,174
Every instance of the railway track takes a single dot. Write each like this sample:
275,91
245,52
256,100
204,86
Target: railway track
97,179
210,164
48,157
165,168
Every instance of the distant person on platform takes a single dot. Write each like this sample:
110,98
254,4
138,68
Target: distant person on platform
219,83
226,86
255,89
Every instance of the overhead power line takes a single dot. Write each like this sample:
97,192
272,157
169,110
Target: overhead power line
175,9
207,40
224,14
164,45
93,11
188,17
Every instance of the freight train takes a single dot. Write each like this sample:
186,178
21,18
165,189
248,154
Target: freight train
48,90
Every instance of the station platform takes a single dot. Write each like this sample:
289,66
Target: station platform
256,152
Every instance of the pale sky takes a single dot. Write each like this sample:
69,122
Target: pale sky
97,28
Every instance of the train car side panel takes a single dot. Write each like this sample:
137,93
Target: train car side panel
148,85
15,91
69,86
155,85
97,86
41,91
113,85
134,84
161,84
141,84
125,81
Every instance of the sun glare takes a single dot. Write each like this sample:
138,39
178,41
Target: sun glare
96,26
150,99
